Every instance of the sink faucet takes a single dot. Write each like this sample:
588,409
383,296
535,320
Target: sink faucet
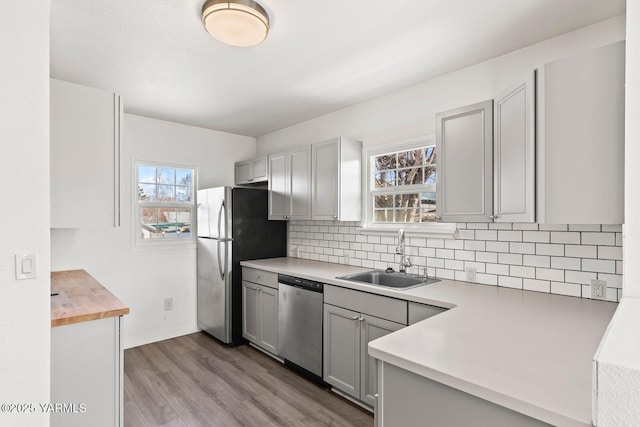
405,262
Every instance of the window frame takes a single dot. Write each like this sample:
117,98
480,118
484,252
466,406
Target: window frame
369,192
141,243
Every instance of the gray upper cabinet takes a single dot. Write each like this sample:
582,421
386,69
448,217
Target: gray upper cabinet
514,153
336,183
251,171
85,156
290,184
581,138
464,140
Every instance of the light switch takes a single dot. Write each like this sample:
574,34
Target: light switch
25,266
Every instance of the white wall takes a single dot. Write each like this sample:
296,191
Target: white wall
25,313
143,278
410,112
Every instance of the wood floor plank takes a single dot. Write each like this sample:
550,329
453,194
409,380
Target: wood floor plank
194,381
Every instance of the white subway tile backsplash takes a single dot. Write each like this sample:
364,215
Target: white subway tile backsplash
549,274
522,248
486,235
487,257
510,236
569,289
581,251
610,252
536,285
510,282
515,259
549,249
536,261
497,246
536,236
599,239
565,263
599,265
565,237
560,259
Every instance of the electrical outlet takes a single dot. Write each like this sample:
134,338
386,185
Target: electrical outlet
471,274
294,251
347,258
168,304
598,289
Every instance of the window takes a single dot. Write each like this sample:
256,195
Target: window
165,202
401,187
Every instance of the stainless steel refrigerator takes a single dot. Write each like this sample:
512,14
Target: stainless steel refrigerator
232,227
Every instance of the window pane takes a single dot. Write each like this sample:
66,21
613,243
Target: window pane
430,155
408,215
184,194
146,174
430,175
407,200
428,202
184,177
385,201
387,161
149,219
166,176
147,192
166,193
410,176
383,215
410,158
183,223
385,179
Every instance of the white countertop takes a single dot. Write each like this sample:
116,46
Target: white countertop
528,351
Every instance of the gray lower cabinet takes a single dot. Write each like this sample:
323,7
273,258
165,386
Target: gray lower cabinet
410,400
260,315
87,373
347,364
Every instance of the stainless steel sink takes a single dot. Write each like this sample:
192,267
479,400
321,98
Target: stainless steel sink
389,280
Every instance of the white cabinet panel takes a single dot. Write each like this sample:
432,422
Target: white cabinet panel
243,172
260,308
514,153
290,184
464,140
581,138
268,319
251,171
250,311
342,349
85,156
86,367
337,176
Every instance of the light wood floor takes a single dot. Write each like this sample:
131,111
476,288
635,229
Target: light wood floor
195,381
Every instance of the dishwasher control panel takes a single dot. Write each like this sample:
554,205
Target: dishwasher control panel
310,285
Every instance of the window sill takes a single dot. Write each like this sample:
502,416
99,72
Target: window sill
160,245
440,231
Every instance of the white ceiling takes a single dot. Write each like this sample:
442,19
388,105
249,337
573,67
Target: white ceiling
320,56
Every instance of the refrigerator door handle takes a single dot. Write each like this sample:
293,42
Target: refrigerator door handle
222,211
220,260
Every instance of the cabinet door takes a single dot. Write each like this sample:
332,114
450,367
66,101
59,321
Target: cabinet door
326,175
259,169
250,312
514,153
279,201
464,141
371,328
243,172
581,138
84,157
300,187
268,319
342,349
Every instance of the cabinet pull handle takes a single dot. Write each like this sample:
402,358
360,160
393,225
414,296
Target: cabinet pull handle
361,319
438,218
335,217
355,317
493,216
257,276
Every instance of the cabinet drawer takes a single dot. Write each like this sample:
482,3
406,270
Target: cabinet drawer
260,277
419,312
364,302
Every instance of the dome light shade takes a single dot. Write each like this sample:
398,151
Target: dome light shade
236,22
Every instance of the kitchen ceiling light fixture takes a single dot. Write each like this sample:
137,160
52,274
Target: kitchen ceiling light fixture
235,22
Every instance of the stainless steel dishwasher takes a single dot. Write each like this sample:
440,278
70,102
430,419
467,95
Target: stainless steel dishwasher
300,324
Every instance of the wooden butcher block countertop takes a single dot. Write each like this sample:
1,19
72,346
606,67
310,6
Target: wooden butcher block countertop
81,298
